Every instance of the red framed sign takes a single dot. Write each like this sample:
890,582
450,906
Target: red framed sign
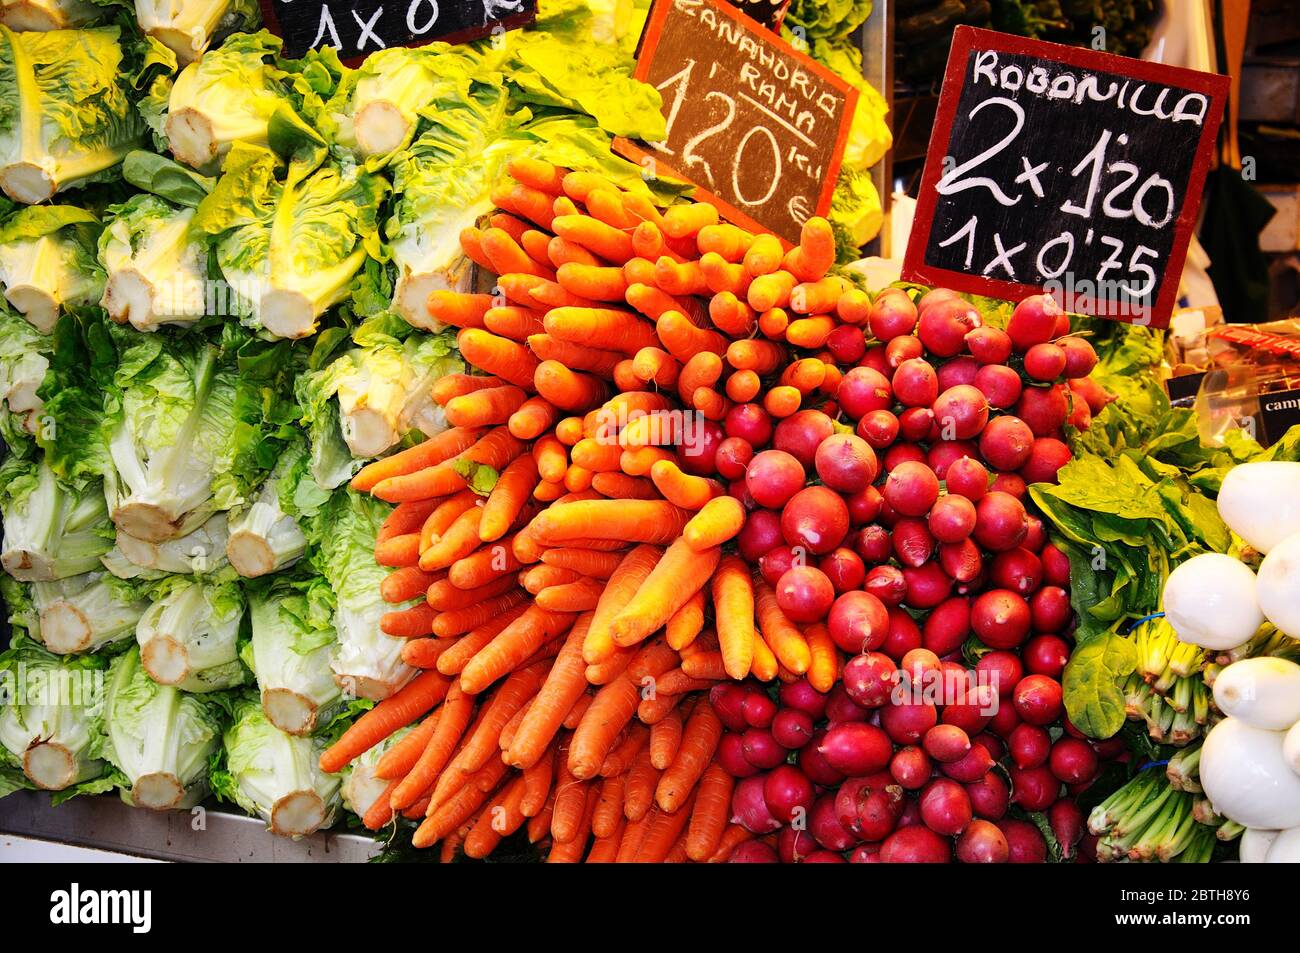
1065,170
757,126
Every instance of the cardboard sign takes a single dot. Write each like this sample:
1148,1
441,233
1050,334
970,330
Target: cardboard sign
357,28
1063,170
759,127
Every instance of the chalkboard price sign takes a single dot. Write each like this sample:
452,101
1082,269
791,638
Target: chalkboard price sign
758,126
357,28
1063,170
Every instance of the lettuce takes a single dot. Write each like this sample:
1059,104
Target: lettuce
24,362
188,27
41,15
86,613
47,262
189,636
51,531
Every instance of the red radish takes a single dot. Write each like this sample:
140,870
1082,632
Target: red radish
801,695
1080,357
787,793
1033,321
990,796
961,412
915,383
935,295
840,707
943,453
1012,485
749,808
731,756
814,764
947,626
1045,362
999,384
749,422
913,544
951,519
1066,820
865,854
847,344
904,635
1043,408
858,622
1001,670
864,506
946,743
967,477
911,768
773,477
1073,761
759,710
733,458
874,544
1035,535
754,852
728,701
943,326
1026,844
1001,521
846,463
915,845
699,449
921,667
971,708
960,370
1006,443
911,816
825,827
1034,789
1018,570
983,843
761,750
870,807
856,748
879,429
1029,745
738,490
908,722
962,561
1045,654
1046,457
902,348
1004,720
914,425
775,563
794,845
945,807
927,585
1092,393
870,678
887,584
844,568
971,766
876,359
1038,699
804,594
1000,618
989,345
891,316
802,433
863,390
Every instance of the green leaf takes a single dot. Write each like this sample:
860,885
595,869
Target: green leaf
481,477
1093,698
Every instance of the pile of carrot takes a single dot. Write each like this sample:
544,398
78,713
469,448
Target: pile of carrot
576,615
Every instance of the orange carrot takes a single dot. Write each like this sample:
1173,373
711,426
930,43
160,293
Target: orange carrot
704,665
513,322
725,240
810,332
568,389
401,757
507,257
620,486
638,793
561,251
700,739
772,323
459,621
485,408
732,316
507,359
395,712
444,595
424,653
663,833
563,687
686,623
719,520
539,577
680,279
638,461
401,550
458,309
580,357
678,575
710,814
596,283
683,340
818,296
770,291
665,736
682,489
537,174
634,521
815,253
453,719
609,712
430,453
512,646
854,307
683,220
677,683
580,595
824,666
460,539
457,385
507,498
764,255
782,401
405,584
380,811
609,329
786,641
534,205
518,689
733,612
625,752
600,239
471,244
609,807
537,778
444,515
411,623
496,449
532,419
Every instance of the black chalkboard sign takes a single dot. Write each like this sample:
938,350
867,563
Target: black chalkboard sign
357,28
758,126
1064,170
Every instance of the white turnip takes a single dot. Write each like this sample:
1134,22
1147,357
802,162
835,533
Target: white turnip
1278,588
1285,848
1260,502
1246,777
1254,844
1263,692
1211,601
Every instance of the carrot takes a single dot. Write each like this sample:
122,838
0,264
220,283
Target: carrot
677,683
665,737
815,253
683,340
537,174
580,357
536,242
732,316
579,184
459,309
733,611
649,241
700,739
600,239
405,584
664,832
540,577
606,205
711,404
401,550
512,646
567,389
518,289
460,539
732,837
586,562
508,730
817,296
786,641
571,851
411,623
552,294
537,777
680,279
624,377
609,712
518,689
570,799
539,825
495,449
424,653
563,687
483,566
471,244
534,205
507,359
854,307
681,489
594,282
563,205
507,498
513,322
804,375
638,793
772,323
430,453
608,329
499,818
703,369
577,479
719,520
459,621
679,574
681,221
782,401
764,255
507,257
685,624
485,408
457,385
574,717
620,759
655,365
395,712
725,240
705,665
824,666
596,455
609,807
810,332
402,756
445,596
448,816
770,291
633,521
638,461
723,277
653,302
762,357
444,514
620,486
533,417
765,666
710,813
581,595
380,811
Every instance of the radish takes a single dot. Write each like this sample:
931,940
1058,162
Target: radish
989,345
1263,692
999,384
1067,823
870,807
911,488
1080,357
946,807
911,768
927,586
951,519
946,743
862,390
943,326
1033,321
804,594
904,634
749,422
759,710
1278,587
915,845
1049,609
732,458
1045,362
858,622
1026,844
844,568
1018,570
1046,655
760,749
915,383
847,343
802,433
760,534
775,563
1011,484
1056,566
870,679
728,699
947,626
913,543
754,852
1030,745
962,561
1046,457
873,544
864,506
801,695
795,845
1285,848
1037,699
967,477
902,348
891,316
1211,601
1090,392
1034,789
971,767
787,793
887,584
731,756
1246,777
914,424
990,796
856,748
773,477
983,843
1254,845
1000,618
815,766
1260,502
879,428
792,728
944,453
749,809
1073,761
845,463
865,854
1000,521
960,370
961,412
907,723
1002,670
1043,408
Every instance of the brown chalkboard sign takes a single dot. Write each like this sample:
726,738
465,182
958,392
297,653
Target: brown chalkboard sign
759,127
357,28
1064,170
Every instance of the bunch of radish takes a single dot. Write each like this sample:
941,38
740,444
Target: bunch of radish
1250,762
895,517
